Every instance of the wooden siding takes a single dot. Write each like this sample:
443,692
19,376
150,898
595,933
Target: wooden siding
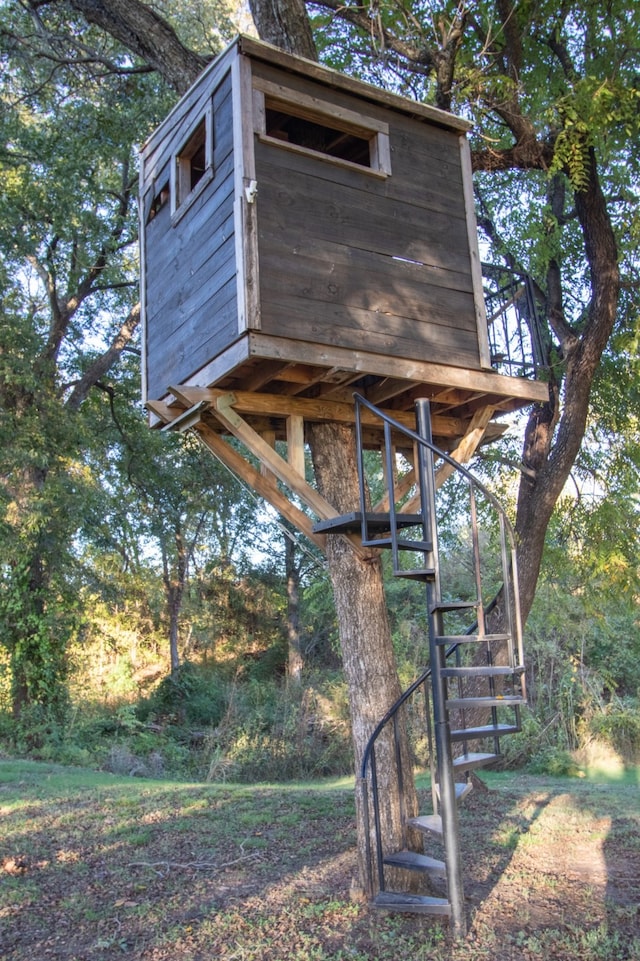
190,269
353,261
329,255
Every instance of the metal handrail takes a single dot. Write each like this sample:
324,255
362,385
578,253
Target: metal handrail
509,589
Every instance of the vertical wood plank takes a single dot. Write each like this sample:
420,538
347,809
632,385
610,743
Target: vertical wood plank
476,267
295,443
270,437
142,231
245,206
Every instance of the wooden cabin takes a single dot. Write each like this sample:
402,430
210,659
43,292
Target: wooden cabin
304,235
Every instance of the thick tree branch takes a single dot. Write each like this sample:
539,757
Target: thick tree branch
528,154
419,58
106,360
147,35
286,25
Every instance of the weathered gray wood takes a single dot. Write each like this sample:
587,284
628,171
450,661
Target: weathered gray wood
332,268
476,267
175,128
328,212
422,372
338,273
340,82
182,256
172,358
350,329
245,211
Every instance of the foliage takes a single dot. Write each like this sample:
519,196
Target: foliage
67,268
114,537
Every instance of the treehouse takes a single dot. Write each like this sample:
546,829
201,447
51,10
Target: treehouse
305,238
306,235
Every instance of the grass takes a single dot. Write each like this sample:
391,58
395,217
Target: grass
98,866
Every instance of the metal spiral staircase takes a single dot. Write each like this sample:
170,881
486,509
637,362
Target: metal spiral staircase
473,688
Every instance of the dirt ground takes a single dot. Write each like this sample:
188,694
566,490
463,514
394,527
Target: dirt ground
552,870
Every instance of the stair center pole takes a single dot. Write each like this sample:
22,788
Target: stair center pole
442,732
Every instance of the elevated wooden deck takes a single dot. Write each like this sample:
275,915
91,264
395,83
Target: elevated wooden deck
271,380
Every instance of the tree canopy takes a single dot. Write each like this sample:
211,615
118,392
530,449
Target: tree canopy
553,93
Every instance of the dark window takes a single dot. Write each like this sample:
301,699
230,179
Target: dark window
192,162
159,201
317,136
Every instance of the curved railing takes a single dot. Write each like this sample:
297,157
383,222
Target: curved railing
428,543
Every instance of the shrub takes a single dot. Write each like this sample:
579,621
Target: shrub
619,726
192,695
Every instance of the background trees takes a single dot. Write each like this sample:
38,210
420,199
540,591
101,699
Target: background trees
554,96
67,235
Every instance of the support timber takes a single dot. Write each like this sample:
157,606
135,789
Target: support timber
259,420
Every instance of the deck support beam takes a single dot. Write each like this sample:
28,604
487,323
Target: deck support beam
210,413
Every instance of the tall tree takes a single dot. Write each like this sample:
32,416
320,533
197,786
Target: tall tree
554,95
67,230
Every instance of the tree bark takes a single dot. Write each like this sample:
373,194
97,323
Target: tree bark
147,35
295,659
285,23
365,634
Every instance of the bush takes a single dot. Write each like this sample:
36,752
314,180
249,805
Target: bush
619,727
192,695
277,733
553,761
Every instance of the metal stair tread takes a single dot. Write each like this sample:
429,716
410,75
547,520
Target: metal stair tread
431,823
484,730
414,861
352,522
417,574
454,606
470,638
462,788
485,670
508,700
473,759
411,903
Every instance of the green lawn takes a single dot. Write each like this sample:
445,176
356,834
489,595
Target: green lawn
95,866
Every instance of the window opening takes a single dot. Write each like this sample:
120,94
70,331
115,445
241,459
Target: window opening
317,136
159,201
192,161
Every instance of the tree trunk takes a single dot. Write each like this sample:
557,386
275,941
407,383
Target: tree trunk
365,635
295,659
174,584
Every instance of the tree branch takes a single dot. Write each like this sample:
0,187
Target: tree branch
147,35
103,363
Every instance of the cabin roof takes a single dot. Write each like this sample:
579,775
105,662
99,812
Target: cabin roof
310,69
